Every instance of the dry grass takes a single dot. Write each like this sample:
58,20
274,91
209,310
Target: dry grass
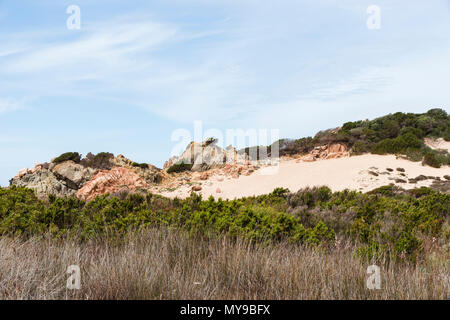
161,264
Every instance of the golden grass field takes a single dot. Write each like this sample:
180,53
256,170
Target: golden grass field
163,264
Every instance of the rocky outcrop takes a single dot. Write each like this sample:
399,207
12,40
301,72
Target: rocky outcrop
112,181
332,151
44,182
74,175
68,178
148,172
207,155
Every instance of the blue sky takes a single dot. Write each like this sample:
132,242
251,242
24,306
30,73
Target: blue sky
138,70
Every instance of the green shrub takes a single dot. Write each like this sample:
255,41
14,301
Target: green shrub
401,144
443,159
360,147
398,133
102,161
431,160
210,140
74,156
179,167
140,165
387,219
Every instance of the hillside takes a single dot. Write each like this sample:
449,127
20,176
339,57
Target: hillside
398,133
236,228
337,157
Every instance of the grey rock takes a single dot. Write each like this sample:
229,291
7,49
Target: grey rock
45,183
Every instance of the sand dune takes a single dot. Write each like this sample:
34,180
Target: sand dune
438,144
364,173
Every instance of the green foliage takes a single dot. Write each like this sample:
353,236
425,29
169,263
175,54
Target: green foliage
398,133
400,144
210,140
179,167
387,219
74,156
102,160
431,159
140,165
359,147
309,197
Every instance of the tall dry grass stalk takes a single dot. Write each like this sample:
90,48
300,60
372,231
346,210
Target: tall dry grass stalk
162,264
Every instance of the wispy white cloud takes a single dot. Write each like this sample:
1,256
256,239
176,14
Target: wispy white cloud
8,104
408,85
258,58
109,45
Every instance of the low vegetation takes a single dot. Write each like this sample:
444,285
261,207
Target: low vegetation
102,160
398,133
310,244
162,263
140,165
73,156
387,220
179,167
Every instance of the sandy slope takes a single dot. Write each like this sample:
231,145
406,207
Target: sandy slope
338,174
438,144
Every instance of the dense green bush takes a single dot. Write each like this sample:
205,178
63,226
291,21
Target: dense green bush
431,159
179,167
387,219
398,133
74,156
102,160
140,165
400,144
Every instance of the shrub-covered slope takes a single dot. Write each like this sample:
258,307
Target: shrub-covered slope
385,220
398,133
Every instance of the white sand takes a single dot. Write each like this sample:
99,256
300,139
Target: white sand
338,174
438,144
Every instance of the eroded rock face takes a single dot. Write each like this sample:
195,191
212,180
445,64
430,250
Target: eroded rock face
337,148
75,175
332,151
207,155
44,182
67,178
149,173
112,181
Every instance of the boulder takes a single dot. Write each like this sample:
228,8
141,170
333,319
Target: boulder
112,181
207,155
150,173
67,178
332,151
44,183
204,176
337,148
75,175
